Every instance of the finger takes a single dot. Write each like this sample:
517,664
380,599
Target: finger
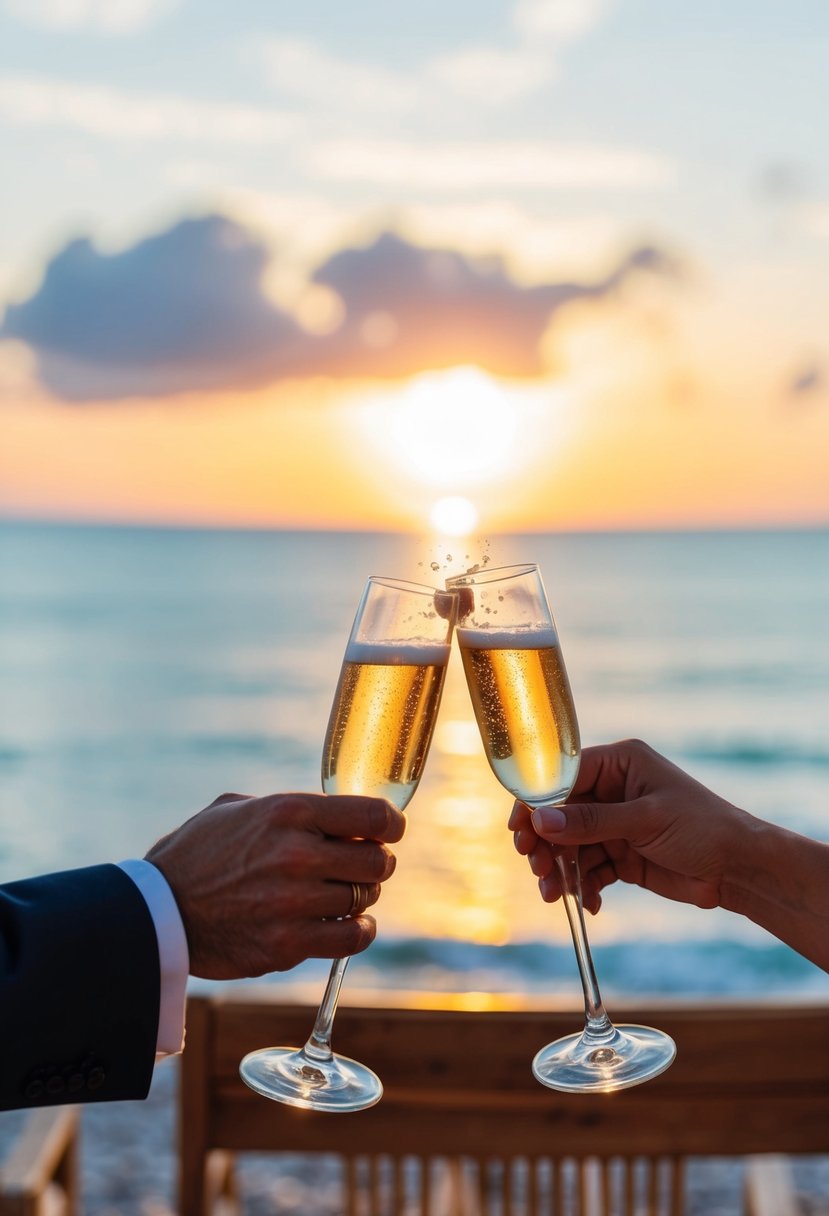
591,857
225,798
604,770
590,898
602,876
624,770
354,897
544,855
519,817
550,887
353,861
525,840
356,816
542,859
591,822
595,764
339,938
591,886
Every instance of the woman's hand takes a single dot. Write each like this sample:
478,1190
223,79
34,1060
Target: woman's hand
637,818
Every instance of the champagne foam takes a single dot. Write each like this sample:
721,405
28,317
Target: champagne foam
398,654
527,637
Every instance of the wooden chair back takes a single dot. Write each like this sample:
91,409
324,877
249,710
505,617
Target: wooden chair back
463,1128
40,1175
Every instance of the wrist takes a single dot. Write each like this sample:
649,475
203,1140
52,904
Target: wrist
751,875
779,880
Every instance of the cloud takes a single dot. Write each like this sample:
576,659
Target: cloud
523,61
493,75
813,218
477,73
558,20
182,310
37,101
808,382
304,71
469,166
185,311
782,182
109,16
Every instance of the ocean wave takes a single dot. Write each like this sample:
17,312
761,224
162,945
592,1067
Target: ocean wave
281,749
10,756
757,753
638,969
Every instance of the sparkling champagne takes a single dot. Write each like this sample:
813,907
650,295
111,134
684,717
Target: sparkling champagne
382,719
524,707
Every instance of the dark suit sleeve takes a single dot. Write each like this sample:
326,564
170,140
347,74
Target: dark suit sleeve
79,989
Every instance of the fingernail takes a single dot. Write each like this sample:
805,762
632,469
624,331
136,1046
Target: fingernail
549,819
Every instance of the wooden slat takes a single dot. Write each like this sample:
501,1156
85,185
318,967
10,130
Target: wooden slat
533,1188
482,1187
41,1171
559,1187
39,1149
738,1124
769,1190
720,1047
351,1186
677,1186
398,1188
195,1109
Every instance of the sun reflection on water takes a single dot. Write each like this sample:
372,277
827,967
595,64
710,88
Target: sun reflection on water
458,876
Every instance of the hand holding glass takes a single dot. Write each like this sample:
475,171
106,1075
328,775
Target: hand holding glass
525,712
376,744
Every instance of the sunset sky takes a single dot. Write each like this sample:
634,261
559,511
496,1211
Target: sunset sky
564,263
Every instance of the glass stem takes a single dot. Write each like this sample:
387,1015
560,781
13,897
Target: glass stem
318,1047
599,1024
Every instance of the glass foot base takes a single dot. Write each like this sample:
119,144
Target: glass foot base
288,1075
627,1056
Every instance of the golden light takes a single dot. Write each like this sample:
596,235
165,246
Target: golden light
454,516
457,737
504,445
448,427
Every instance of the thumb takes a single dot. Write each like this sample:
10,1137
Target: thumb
585,822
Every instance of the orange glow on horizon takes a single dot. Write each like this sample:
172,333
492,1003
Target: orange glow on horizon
315,455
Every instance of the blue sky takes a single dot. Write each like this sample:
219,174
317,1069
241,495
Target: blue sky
108,128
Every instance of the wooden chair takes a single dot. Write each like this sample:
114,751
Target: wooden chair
464,1130
40,1174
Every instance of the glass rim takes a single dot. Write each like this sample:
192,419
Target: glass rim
497,574
400,584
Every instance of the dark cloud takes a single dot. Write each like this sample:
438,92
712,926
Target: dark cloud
182,310
444,309
807,383
782,182
185,311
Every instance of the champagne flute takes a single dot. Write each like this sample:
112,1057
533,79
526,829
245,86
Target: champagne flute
378,737
525,712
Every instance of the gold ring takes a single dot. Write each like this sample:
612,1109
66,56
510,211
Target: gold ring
359,899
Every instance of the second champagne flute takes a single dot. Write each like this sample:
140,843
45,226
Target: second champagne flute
376,744
522,701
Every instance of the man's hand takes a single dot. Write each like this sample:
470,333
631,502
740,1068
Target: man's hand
263,883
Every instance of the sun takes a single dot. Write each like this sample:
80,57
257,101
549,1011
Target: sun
460,448
450,429
454,516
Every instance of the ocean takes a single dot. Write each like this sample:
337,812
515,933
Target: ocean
145,671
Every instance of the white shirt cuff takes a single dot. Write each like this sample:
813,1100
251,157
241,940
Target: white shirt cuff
173,955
